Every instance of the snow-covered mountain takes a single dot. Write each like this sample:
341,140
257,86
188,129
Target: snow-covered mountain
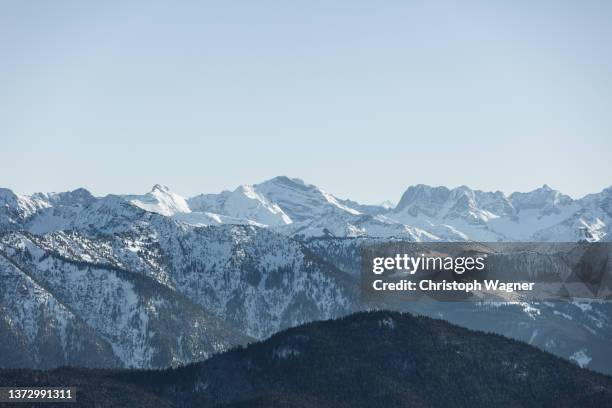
15,209
295,208
157,279
135,288
244,203
160,200
543,214
65,311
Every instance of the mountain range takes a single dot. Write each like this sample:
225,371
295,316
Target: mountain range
293,207
158,280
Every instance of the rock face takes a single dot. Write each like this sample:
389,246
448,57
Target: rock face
363,360
158,280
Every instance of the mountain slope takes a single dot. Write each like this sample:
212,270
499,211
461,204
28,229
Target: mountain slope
155,289
160,200
38,330
243,203
257,280
144,323
372,359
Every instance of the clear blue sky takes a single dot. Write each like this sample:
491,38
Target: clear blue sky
360,98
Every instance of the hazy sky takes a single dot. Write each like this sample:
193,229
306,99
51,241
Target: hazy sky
360,98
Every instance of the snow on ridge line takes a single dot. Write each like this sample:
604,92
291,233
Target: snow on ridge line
293,206
160,200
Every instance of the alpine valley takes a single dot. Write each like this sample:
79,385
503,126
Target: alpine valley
158,280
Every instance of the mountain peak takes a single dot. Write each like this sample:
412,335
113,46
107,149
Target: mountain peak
425,195
387,205
543,198
79,196
160,187
160,200
245,204
284,180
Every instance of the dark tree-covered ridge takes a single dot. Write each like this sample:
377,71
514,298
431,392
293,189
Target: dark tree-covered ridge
369,359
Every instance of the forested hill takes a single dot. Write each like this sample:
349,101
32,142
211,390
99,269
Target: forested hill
369,359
